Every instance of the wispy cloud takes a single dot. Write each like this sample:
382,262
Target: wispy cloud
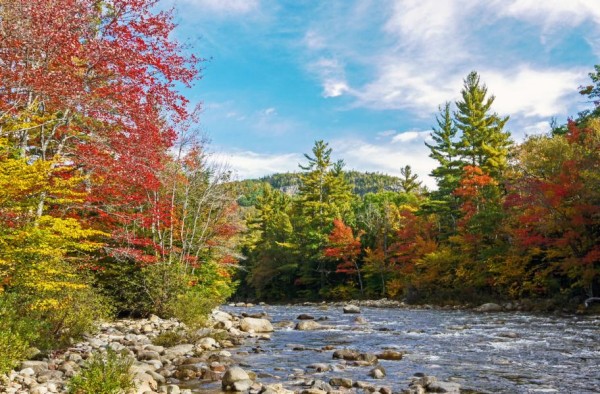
247,164
389,155
331,72
224,7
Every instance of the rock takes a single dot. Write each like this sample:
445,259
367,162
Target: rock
320,367
377,373
207,343
313,391
306,325
275,389
251,324
346,354
508,334
360,320
27,372
232,375
351,309
178,351
241,385
341,382
390,355
148,355
304,316
36,366
444,387
489,307
321,385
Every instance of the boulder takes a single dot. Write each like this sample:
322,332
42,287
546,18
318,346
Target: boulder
377,373
276,389
306,325
341,382
233,375
304,316
489,307
251,324
351,309
178,351
390,355
36,366
346,354
444,387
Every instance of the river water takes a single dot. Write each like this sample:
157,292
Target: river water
485,353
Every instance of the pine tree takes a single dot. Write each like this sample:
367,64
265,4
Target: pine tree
483,142
324,195
409,181
448,172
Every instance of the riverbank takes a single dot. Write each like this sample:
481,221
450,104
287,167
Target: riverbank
168,358
337,348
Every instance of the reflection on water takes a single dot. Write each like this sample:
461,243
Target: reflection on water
500,352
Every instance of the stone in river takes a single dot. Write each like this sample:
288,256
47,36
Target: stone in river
304,316
489,307
377,373
248,324
390,355
306,325
232,375
351,309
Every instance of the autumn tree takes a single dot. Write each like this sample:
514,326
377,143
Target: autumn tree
344,248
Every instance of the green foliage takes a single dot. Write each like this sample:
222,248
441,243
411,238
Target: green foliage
169,338
104,373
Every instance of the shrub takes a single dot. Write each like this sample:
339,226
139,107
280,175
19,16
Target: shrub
103,373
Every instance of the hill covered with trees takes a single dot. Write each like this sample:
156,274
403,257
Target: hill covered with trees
507,220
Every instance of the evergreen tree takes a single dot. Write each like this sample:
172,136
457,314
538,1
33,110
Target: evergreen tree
483,142
324,195
448,172
409,181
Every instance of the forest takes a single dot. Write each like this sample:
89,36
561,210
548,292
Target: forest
507,220
109,205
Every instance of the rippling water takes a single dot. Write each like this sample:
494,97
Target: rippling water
495,352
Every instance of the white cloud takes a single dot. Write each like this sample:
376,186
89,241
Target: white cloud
247,164
270,111
331,72
313,40
534,93
388,156
408,136
386,133
228,7
551,13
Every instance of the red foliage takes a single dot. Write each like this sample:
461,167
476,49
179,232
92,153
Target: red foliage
343,246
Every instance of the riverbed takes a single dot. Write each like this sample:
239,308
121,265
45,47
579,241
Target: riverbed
506,352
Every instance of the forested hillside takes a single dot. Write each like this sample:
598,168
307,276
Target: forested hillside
507,220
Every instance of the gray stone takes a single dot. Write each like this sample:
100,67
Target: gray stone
343,382
351,309
444,387
251,324
306,325
489,307
177,351
377,373
232,375
36,366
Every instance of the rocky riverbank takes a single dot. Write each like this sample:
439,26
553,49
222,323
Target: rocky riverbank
209,355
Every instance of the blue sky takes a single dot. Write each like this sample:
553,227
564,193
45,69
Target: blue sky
367,76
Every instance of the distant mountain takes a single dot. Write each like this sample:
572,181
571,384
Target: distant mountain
364,182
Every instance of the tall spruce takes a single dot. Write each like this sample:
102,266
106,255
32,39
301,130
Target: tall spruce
324,195
483,142
448,172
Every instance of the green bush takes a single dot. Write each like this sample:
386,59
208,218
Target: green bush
17,333
169,338
103,373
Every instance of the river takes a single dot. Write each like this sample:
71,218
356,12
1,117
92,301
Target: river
509,352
